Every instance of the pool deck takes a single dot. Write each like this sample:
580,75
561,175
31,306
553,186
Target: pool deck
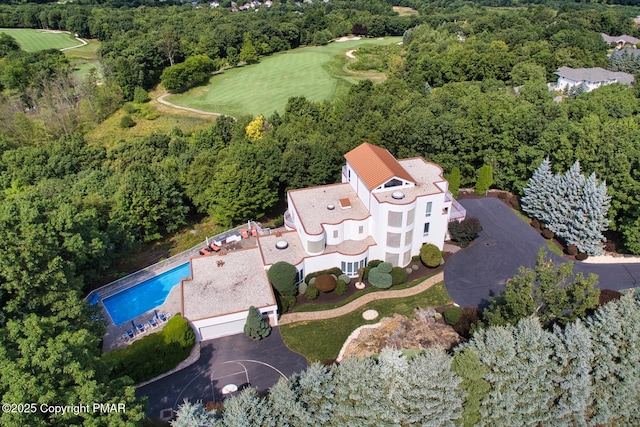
239,267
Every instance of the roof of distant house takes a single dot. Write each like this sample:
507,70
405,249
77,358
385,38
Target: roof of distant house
618,39
595,74
376,165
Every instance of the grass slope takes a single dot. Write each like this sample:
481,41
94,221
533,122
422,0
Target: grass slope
318,73
35,40
322,340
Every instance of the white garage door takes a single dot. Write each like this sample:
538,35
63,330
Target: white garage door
222,329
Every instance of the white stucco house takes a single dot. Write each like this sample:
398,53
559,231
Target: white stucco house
590,78
384,209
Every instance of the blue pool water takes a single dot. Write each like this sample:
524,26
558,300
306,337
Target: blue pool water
145,296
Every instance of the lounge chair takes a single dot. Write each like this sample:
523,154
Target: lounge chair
141,329
153,322
204,251
164,316
214,247
129,334
245,233
254,232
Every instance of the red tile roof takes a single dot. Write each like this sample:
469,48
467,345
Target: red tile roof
375,165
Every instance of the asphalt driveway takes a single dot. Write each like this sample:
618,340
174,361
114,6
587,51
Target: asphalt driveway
229,360
479,272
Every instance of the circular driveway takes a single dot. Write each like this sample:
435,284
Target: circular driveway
225,364
477,273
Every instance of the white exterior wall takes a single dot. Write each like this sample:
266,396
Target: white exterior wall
564,82
235,319
380,228
334,259
437,220
357,184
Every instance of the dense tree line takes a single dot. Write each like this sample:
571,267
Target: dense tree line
584,374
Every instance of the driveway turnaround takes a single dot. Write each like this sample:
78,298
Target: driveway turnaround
225,364
477,273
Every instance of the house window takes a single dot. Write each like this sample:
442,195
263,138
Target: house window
299,275
406,258
429,206
426,229
392,258
335,234
408,237
393,240
361,229
392,183
445,211
395,219
343,266
410,216
349,174
315,247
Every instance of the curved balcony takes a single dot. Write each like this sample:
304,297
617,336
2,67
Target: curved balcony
288,221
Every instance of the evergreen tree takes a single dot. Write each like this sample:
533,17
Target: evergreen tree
538,191
232,56
572,352
256,326
454,181
485,179
589,218
466,364
246,409
616,350
193,414
316,391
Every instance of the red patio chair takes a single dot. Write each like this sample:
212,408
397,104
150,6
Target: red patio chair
254,232
245,233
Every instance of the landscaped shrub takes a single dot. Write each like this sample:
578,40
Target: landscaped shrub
398,276
325,283
341,287
169,347
371,264
126,122
333,271
302,288
409,270
415,258
572,250
256,327
535,223
312,292
346,279
430,255
452,315
581,256
547,234
465,231
415,267
380,276
282,276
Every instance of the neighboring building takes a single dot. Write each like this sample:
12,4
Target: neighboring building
590,78
620,41
383,209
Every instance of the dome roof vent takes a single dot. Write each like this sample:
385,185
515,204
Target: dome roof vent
398,195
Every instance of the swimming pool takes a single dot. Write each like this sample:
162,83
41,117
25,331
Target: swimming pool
145,296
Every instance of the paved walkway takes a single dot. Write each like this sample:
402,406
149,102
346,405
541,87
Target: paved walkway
353,305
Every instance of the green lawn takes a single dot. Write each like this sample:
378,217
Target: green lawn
35,40
318,73
322,339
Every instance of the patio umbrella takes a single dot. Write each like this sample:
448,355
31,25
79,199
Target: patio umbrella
133,325
156,313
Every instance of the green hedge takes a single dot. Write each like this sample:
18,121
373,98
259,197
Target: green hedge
154,354
371,264
398,276
430,255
